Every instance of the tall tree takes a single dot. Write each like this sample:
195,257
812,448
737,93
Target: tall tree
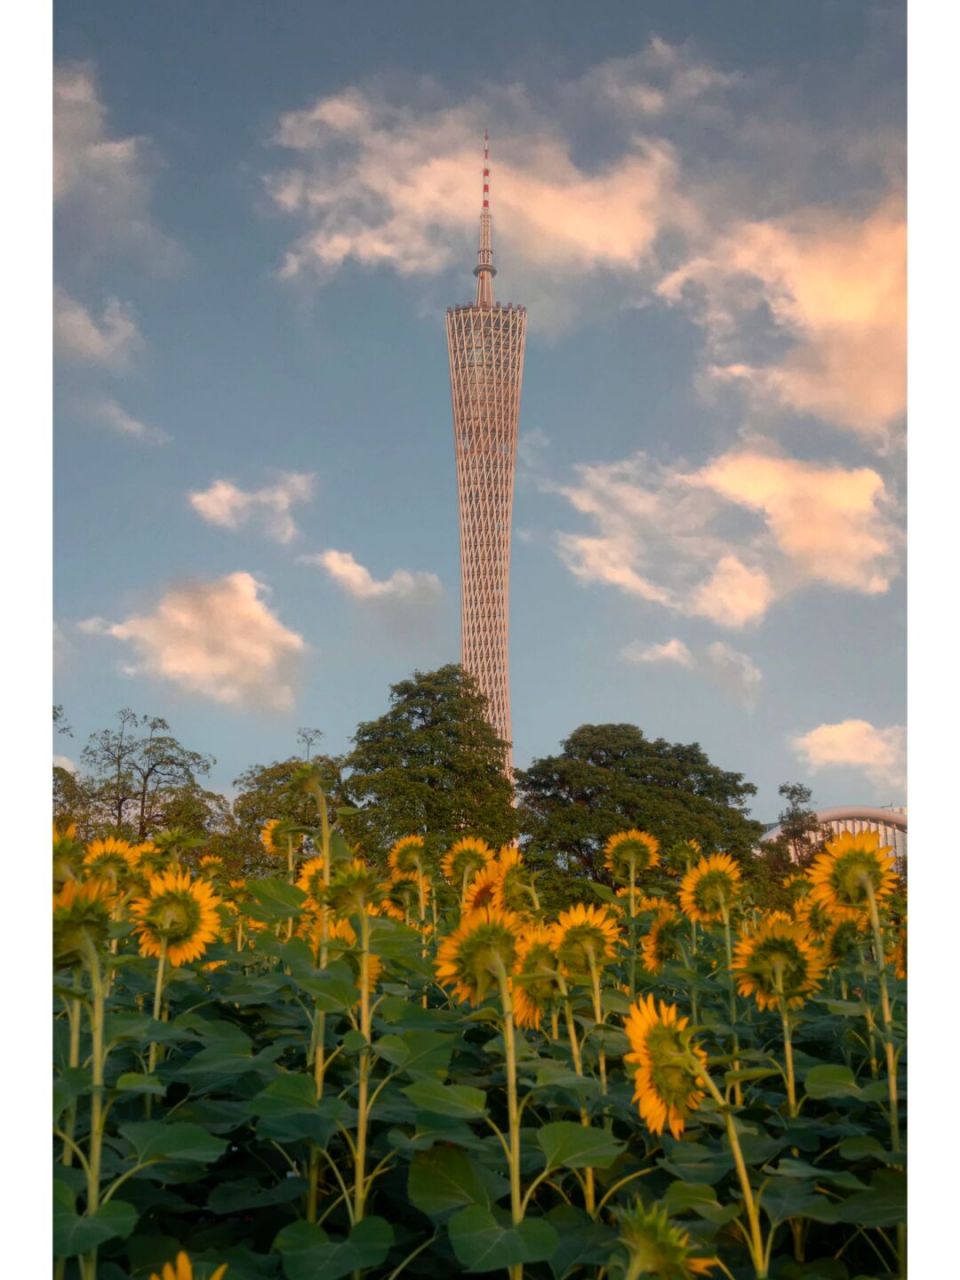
800,832
609,777
135,768
431,765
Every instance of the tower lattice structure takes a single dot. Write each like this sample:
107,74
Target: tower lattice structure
485,342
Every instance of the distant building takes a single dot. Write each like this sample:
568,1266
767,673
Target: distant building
485,342
891,824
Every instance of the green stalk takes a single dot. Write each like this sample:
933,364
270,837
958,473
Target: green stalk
157,1000
871,1022
589,1188
74,1018
97,1115
598,1016
728,943
513,1109
359,1177
755,1243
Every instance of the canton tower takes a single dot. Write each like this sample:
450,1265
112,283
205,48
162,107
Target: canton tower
485,345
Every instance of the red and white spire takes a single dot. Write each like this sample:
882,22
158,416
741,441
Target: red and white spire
485,270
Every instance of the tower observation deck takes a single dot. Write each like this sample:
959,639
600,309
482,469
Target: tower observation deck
485,342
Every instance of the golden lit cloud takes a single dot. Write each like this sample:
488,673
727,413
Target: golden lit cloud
879,754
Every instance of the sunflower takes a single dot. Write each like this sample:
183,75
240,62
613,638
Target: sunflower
537,983
399,899
817,919
849,868
354,888
662,943
656,1246
478,953
81,912
777,960
67,853
897,954
178,911
406,856
585,936
270,837
151,860
111,859
708,890
652,904
484,888
515,891
629,853
464,858
342,931
680,855
666,1081
311,882
182,1269
844,937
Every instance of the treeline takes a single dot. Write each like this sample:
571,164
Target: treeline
431,765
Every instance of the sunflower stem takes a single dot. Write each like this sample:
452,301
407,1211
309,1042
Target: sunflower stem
728,943
871,1022
359,1185
598,1017
589,1188
75,1018
157,999
97,1113
513,1110
887,1015
755,1242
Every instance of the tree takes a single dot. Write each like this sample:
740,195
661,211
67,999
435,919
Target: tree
800,830
432,765
609,777
268,791
136,767
308,737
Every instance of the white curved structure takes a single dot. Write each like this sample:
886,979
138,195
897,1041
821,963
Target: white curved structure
890,824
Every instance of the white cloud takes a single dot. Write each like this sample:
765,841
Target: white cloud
230,507
878,753
101,183
78,335
674,651
728,540
109,413
831,286
734,672
217,639
64,762
356,580
398,186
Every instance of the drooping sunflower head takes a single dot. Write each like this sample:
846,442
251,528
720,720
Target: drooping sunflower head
67,853
178,911
852,867
584,937
211,867
81,916
151,860
842,939
111,859
478,953
777,961
649,905
710,888
815,917
272,837
668,1066
515,892
311,882
629,853
682,854
406,856
484,888
182,1269
797,887
656,1246
465,858
662,942
537,983
399,900
353,888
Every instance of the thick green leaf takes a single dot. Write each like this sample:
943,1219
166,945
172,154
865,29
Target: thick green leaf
73,1233
570,1145
292,1093
582,1241
308,1253
866,1148
455,1100
418,1053
154,1140
483,1242
444,1178
247,1193
833,1081
883,1205
136,1082
275,899
699,1198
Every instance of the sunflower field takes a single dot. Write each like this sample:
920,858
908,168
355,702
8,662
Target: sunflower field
404,1066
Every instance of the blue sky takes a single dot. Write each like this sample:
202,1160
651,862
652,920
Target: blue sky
261,214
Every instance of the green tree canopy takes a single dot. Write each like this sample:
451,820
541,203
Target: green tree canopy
431,765
609,777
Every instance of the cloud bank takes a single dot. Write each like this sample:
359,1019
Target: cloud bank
357,581
878,753
734,672
218,640
226,505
